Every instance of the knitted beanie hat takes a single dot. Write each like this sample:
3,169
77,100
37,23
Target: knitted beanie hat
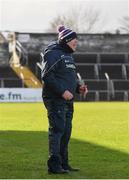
65,34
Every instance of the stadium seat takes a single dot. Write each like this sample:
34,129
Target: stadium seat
121,85
7,72
114,71
11,83
97,85
85,58
121,96
86,71
112,58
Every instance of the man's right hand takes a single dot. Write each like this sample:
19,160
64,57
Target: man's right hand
67,95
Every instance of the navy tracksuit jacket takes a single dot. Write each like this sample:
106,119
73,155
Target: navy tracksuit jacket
59,74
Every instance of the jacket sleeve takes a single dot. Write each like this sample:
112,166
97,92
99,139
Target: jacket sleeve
49,73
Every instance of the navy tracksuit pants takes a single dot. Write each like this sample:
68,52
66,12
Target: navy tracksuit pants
60,114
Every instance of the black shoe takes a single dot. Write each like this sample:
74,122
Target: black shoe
69,168
59,171
54,165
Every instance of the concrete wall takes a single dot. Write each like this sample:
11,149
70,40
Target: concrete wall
95,43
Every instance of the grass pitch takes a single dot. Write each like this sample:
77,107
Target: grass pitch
99,144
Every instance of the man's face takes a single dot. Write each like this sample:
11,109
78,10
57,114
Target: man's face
73,44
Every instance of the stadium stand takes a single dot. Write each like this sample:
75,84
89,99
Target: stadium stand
4,53
102,61
8,78
101,88
15,63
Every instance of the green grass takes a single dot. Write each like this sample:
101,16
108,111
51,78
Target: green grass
99,144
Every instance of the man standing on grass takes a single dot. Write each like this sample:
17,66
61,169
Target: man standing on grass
59,87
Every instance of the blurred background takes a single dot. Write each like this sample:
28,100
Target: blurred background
102,56
99,143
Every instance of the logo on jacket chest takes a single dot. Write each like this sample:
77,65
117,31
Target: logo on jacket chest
69,62
72,66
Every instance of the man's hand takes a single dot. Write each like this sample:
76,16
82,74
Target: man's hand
83,90
67,95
